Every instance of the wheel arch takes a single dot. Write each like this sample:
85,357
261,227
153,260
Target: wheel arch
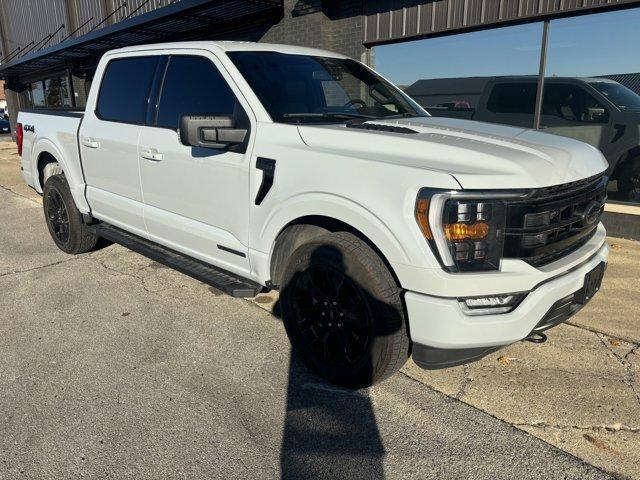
624,160
45,152
304,229
44,158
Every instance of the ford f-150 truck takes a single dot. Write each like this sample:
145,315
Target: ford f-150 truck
387,232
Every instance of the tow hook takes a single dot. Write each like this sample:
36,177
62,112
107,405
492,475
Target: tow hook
536,337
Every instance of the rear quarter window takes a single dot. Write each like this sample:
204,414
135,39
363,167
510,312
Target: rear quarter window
513,98
125,88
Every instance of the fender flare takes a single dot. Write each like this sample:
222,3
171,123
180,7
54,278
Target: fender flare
76,185
337,208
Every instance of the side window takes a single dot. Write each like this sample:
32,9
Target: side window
572,104
124,91
513,98
192,86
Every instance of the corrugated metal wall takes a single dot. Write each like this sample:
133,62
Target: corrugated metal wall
387,21
28,21
31,20
132,5
91,11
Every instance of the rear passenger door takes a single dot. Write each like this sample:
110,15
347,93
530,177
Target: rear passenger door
509,103
109,141
196,199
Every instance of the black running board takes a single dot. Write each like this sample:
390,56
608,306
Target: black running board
227,282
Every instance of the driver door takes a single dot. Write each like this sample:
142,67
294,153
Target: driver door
570,111
195,199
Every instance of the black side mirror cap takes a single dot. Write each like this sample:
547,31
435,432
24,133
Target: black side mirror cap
210,131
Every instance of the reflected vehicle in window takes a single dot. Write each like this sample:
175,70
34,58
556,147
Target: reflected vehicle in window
598,111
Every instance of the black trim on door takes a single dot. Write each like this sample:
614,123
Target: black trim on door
231,250
268,167
156,87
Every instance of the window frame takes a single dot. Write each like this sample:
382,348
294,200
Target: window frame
160,58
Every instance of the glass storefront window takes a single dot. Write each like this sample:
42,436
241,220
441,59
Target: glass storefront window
54,92
37,94
57,94
450,76
592,86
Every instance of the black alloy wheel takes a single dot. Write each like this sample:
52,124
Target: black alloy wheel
343,311
58,216
63,218
332,317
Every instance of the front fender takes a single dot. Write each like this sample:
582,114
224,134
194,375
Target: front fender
337,208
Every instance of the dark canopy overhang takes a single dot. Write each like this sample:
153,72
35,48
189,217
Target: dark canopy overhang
187,19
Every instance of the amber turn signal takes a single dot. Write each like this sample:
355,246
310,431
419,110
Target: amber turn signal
463,231
422,211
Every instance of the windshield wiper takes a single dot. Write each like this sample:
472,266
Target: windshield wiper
402,115
327,115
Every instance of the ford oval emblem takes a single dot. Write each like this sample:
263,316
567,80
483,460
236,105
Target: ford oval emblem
591,213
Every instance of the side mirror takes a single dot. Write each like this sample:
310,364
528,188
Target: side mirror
597,115
210,131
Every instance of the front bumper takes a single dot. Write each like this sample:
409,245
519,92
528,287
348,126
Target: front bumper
443,335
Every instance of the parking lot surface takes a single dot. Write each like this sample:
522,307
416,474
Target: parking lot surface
116,367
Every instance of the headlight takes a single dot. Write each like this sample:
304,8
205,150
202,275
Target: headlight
466,230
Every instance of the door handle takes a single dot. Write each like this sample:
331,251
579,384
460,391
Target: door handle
90,142
152,154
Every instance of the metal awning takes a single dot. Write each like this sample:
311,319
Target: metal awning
186,19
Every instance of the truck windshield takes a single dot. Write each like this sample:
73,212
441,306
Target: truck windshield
305,88
619,95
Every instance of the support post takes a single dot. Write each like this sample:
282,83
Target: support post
541,74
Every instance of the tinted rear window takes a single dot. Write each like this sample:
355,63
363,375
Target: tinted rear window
124,90
513,98
193,86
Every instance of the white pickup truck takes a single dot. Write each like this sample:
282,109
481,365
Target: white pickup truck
388,233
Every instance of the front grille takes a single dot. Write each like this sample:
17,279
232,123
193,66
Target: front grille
554,221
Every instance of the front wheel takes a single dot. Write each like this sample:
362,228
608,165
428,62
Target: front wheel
629,181
343,311
63,218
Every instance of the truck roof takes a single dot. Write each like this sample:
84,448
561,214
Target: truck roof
231,46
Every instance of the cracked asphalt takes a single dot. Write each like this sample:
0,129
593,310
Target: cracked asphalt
114,366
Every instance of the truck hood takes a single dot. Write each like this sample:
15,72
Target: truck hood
479,155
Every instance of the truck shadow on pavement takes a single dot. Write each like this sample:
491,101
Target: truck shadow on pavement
329,431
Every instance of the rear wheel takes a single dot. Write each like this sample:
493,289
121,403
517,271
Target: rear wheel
64,220
629,181
343,311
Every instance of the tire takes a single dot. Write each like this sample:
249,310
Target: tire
629,180
64,220
343,311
